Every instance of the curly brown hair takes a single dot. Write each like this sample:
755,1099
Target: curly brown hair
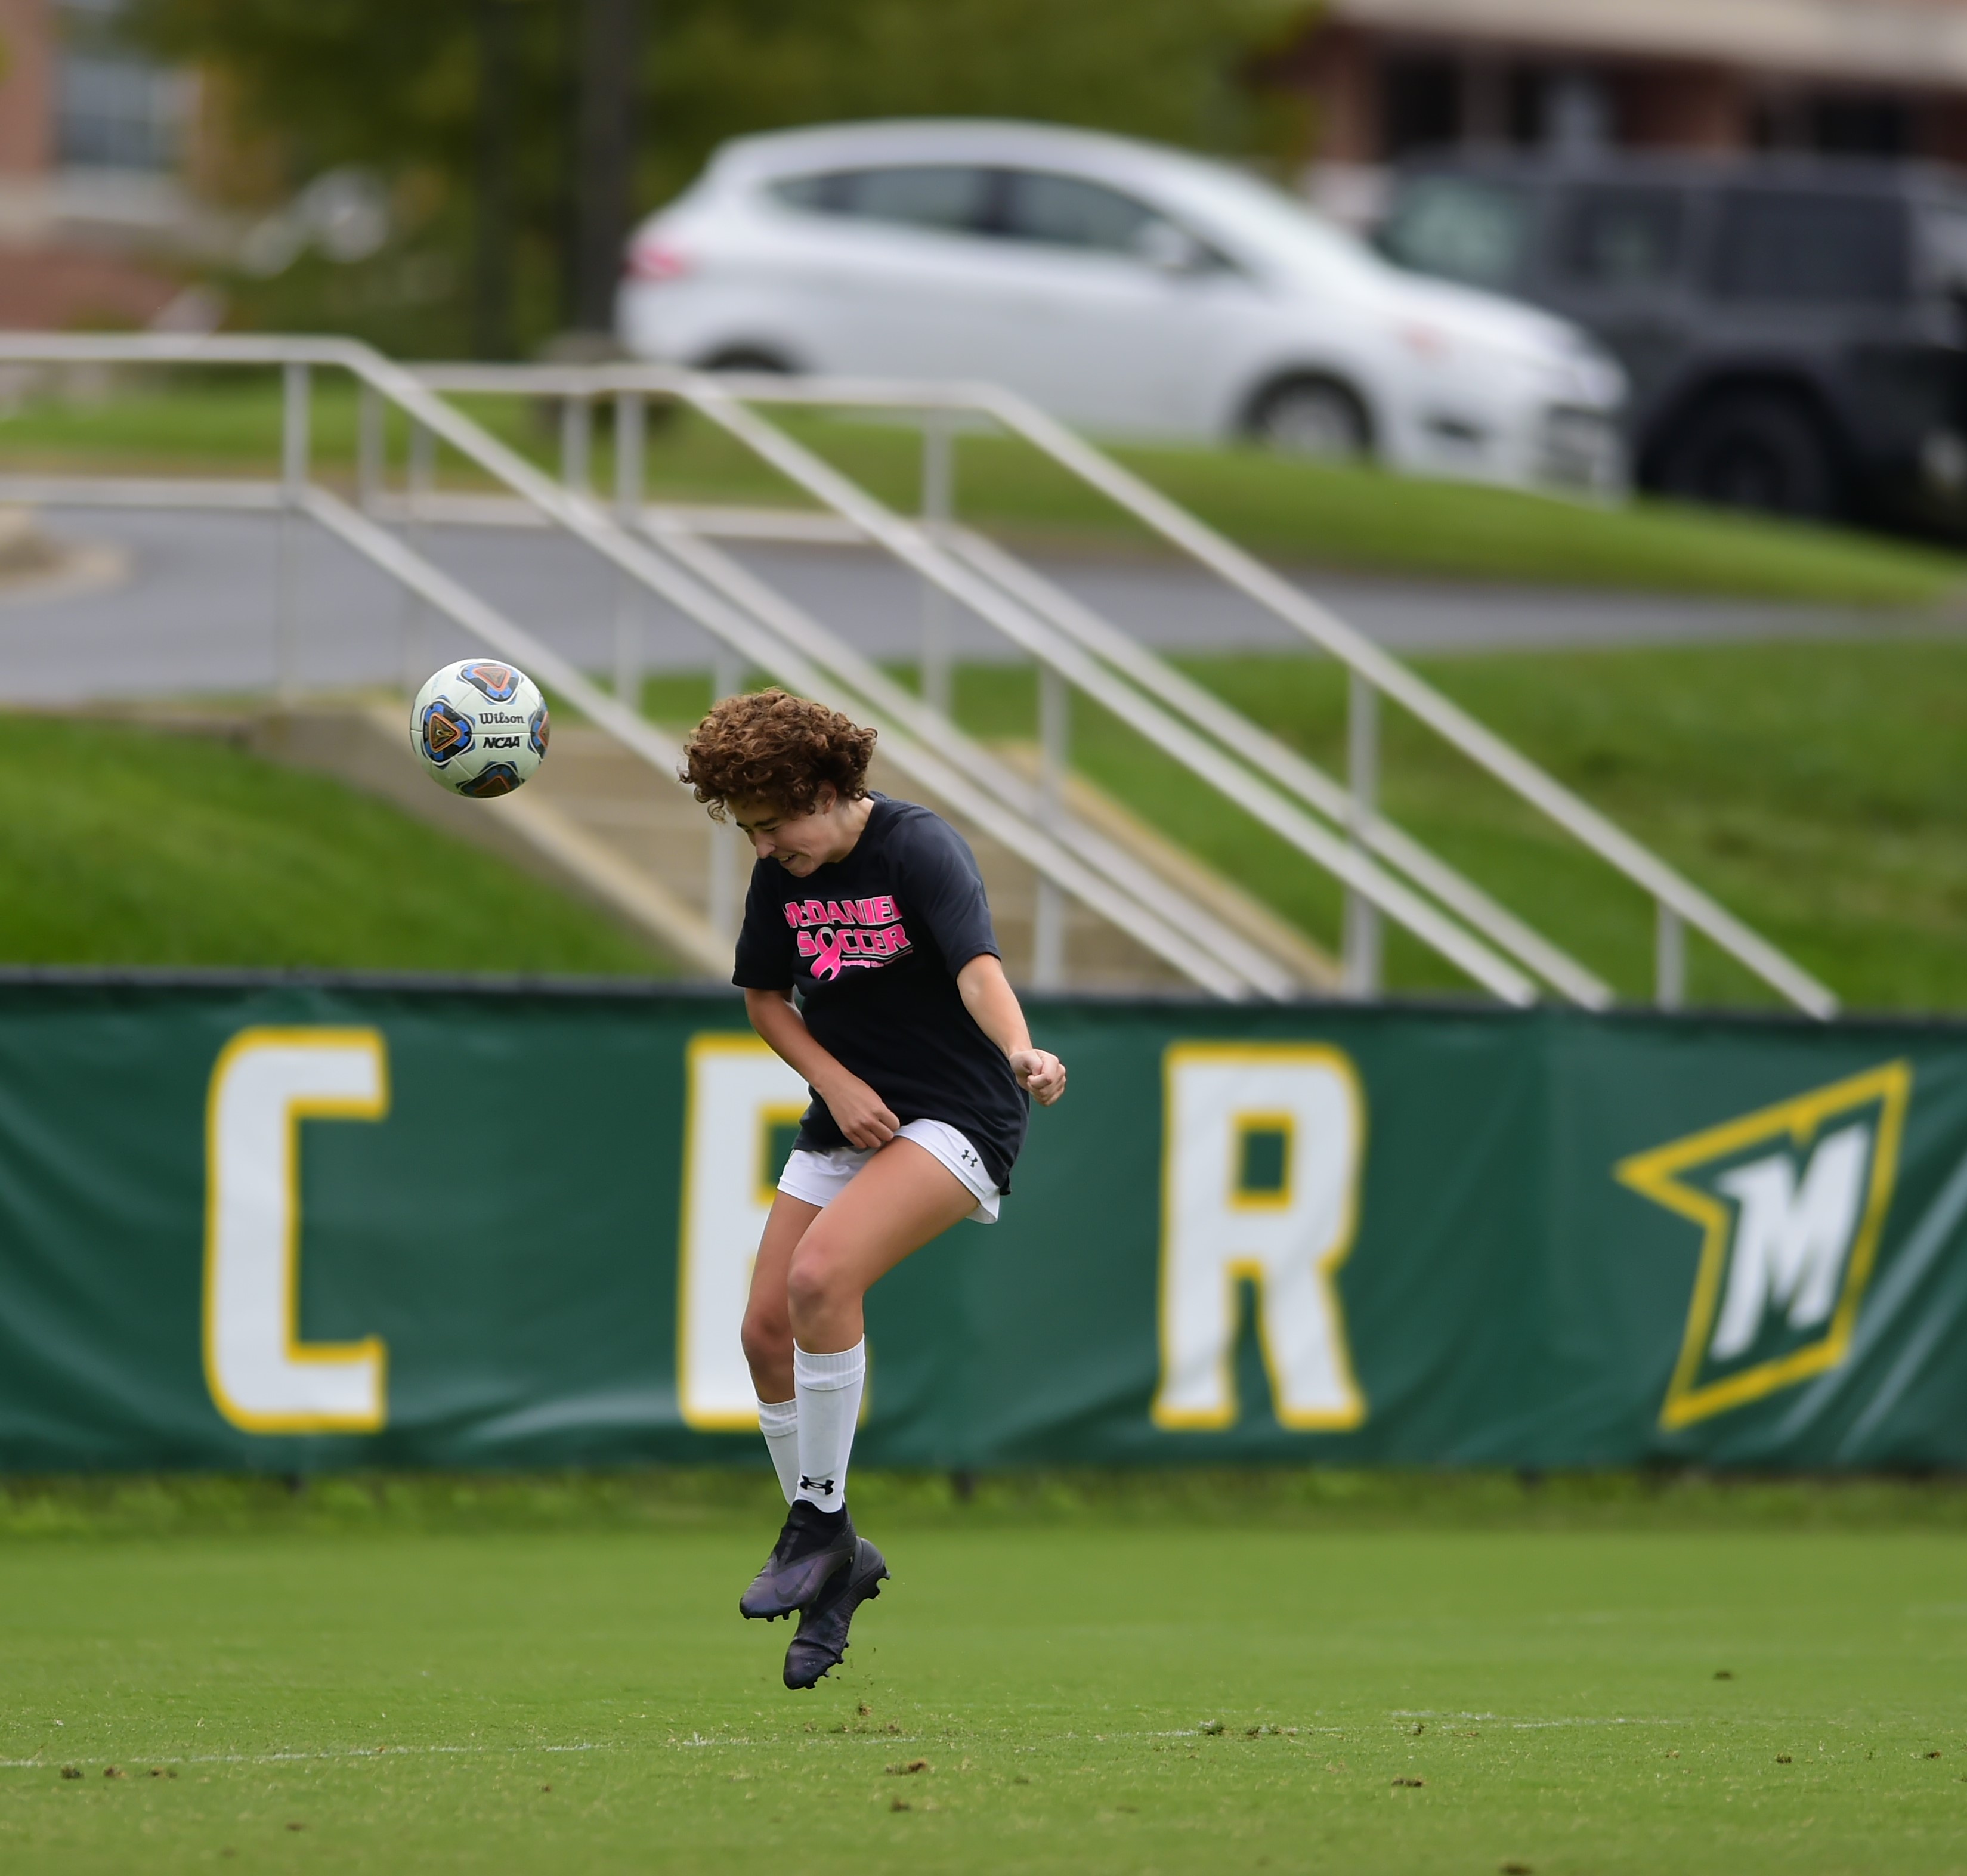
767,746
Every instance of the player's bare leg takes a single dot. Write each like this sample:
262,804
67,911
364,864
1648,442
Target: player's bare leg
766,1335
900,1199
903,1197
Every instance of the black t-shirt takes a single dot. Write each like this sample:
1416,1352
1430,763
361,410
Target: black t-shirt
873,943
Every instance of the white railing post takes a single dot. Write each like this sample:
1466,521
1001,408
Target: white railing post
576,426
1669,957
724,893
294,453
1363,933
372,447
1055,760
631,674
420,478
938,508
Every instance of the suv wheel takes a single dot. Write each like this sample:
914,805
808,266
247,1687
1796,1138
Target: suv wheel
1755,450
1312,417
745,358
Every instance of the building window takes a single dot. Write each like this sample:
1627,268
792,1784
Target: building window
1833,124
119,113
1420,104
114,109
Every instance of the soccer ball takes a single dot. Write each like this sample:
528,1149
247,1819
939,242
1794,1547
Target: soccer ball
479,728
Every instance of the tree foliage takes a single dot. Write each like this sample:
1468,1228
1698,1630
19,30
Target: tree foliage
401,87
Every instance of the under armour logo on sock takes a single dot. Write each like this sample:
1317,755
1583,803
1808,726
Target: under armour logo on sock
823,1486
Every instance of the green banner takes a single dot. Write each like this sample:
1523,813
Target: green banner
287,1227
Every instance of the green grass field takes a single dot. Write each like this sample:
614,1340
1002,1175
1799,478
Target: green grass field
124,846
1291,510
1474,1682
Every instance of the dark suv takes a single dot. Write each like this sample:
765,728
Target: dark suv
1796,331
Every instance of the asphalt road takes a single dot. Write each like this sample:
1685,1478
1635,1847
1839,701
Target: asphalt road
194,613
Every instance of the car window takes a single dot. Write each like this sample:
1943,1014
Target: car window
1622,237
1799,247
952,196
1063,211
1465,228
1943,233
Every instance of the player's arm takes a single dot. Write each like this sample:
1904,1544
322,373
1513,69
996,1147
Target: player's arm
859,1112
987,995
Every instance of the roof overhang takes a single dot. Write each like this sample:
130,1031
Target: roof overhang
1920,42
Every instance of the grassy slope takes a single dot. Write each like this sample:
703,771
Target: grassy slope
1816,788
1292,511
119,846
586,1699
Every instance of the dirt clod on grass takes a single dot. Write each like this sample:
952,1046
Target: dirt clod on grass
901,1770
1413,1782
71,1771
113,1771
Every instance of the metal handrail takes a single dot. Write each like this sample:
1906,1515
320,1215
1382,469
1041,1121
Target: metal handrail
912,546
1143,920
842,664
1283,764
1677,897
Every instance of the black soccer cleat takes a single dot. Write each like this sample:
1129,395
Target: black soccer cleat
822,1639
813,1547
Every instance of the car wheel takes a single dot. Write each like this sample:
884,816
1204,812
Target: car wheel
744,358
1757,449
1312,417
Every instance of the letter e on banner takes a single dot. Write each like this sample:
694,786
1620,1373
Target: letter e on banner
740,1093
262,1378
1260,1164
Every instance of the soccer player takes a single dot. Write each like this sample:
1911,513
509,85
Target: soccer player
918,1061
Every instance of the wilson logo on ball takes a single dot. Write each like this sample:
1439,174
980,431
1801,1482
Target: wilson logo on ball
499,682
446,733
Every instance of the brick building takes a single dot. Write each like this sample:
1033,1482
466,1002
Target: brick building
94,143
1869,77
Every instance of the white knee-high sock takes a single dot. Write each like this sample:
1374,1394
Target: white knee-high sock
778,1420
827,1388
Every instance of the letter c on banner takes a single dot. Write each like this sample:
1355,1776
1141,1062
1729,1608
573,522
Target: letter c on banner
262,1378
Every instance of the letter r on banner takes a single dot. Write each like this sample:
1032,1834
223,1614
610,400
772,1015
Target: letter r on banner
262,1378
740,1094
1260,1164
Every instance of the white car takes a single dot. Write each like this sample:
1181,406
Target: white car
1127,288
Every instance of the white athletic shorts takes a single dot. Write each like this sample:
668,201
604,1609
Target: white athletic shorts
819,1178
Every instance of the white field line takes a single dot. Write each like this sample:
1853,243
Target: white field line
696,1740
1529,1726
